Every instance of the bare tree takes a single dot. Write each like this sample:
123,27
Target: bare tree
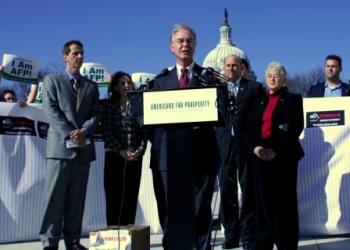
300,83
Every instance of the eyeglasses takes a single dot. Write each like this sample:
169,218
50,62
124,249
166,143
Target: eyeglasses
276,76
182,41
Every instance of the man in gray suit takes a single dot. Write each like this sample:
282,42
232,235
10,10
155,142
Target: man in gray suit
70,103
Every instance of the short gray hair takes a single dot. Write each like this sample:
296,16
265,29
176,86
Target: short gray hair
278,67
181,26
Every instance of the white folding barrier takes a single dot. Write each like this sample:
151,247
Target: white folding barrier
323,181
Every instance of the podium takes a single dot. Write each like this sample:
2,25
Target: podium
184,153
177,106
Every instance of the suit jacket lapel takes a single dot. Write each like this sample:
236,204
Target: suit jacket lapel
344,89
196,71
67,94
241,90
322,89
280,107
81,93
68,89
172,81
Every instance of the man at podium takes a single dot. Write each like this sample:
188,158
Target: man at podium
184,158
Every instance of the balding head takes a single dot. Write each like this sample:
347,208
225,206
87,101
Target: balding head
233,67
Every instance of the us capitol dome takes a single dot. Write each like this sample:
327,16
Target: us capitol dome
215,57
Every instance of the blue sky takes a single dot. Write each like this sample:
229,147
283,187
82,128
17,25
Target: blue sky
134,35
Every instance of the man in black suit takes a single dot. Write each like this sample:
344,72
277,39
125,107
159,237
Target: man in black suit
184,159
236,162
332,86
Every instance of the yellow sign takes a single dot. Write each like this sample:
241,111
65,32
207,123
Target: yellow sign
180,106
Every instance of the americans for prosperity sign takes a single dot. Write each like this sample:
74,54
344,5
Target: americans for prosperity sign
324,118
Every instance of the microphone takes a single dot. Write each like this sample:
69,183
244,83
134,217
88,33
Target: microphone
150,84
210,72
204,82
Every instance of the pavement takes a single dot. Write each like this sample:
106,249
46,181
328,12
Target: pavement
310,243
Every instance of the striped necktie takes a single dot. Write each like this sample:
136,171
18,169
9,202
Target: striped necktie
184,81
76,85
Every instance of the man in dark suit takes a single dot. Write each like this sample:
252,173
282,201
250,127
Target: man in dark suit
236,161
70,103
332,86
184,159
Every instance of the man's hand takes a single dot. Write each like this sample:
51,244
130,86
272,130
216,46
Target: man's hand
130,155
124,154
269,154
22,104
78,137
265,154
134,155
259,152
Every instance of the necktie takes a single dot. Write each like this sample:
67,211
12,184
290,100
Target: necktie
76,86
231,89
184,81
235,88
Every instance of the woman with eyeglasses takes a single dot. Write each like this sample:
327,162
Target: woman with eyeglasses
276,125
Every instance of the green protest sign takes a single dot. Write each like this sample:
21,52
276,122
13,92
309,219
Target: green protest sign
20,69
96,72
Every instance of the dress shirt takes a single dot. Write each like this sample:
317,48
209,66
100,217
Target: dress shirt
189,71
72,77
233,88
333,91
267,116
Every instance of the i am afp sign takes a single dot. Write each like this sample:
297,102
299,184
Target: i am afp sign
20,69
96,72
140,78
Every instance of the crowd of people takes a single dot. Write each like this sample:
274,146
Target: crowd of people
256,146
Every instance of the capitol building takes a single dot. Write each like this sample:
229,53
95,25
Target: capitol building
215,58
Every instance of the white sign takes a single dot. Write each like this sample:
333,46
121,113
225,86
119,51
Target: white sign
39,93
96,72
110,239
20,69
140,78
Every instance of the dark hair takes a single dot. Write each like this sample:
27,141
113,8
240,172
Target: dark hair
66,49
8,91
114,95
336,58
246,64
